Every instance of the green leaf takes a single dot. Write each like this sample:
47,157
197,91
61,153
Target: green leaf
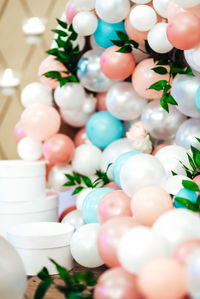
147,47
134,44
108,167
191,162
78,190
87,278
60,43
53,51
188,172
189,71
125,49
42,288
188,204
174,173
77,177
64,274
73,36
53,75
43,274
190,185
122,36
196,155
69,184
118,43
87,181
69,177
198,139
60,32
160,70
62,24
170,99
164,105
159,85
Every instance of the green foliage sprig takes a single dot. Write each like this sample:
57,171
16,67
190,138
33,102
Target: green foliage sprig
66,53
76,286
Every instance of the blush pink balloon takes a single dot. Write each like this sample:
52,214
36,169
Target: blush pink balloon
194,10
71,11
101,101
19,132
183,31
197,180
157,148
185,249
109,235
173,10
112,185
114,204
143,77
50,64
40,121
136,35
117,284
59,149
162,278
111,60
81,137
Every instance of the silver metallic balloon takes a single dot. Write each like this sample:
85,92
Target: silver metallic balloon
187,132
159,123
90,74
123,102
183,90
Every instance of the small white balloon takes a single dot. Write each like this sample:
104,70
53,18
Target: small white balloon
141,1
192,57
143,17
75,118
36,93
173,184
157,38
57,178
161,6
84,246
85,23
81,197
187,3
74,218
113,11
87,159
139,245
29,149
89,104
187,133
85,4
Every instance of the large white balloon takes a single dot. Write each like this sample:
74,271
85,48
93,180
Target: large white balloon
193,273
113,11
85,4
173,184
192,57
85,23
157,38
143,17
141,1
74,218
36,93
139,245
57,178
81,197
161,6
140,171
29,149
75,118
187,3
187,133
87,159
84,246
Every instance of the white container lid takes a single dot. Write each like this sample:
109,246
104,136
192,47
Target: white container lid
40,235
20,168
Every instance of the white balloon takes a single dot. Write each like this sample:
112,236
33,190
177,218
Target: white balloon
157,38
139,245
36,93
57,178
143,17
187,3
161,6
193,273
113,11
171,157
29,149
81,197
70,96
173,184
87,159
74,218
85,4
192,57
84,246
75,118
141,1
89,104
85,23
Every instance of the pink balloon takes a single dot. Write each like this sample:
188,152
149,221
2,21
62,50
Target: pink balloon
40,121
173,10
111,60
71,11
136,35
59,149
101,101
194,10
109,235
112,185
185,249
143,77
117,284
149,203
197,180
183,31
19,132
81,137
50,64
114,204
157,148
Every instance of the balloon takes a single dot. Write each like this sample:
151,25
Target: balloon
149,203
143,17
158,147
57,178
187,194
123,102
110,61
101,101
197,98
140,171
184,89
63,96
173,184
187,3
159,123
36,93
59,149
74,218
171,283
197,180
19,132
84,246
85,4
115,12
117,165
161,6
157,38
81,138
29,149
50,64
187,133
114,204
117,284
71,11
138,246
66,212
109,236
102,129
192,57
87,159
139,55
193,274
144,77
40,121
89,104
185,249
81,197
91,202
184,24
141,1
90,74
106,32
170,157
136,35
112,185
13,278
85,23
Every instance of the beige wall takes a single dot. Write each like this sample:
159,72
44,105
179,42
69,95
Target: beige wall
17,54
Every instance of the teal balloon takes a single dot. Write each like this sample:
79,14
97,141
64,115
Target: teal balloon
197,98
102,129
91,203
187,194
106,32
119,163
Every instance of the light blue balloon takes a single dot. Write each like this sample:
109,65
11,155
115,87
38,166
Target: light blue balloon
91,203
102,129
106,32
119,163
187,194
197,98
